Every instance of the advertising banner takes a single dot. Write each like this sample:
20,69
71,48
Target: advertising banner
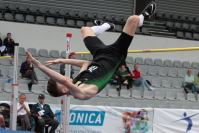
102,119
176,121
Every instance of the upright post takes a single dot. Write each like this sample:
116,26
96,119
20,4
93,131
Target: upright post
65,101
14,100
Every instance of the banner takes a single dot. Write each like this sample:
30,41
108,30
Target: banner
104,119
176,121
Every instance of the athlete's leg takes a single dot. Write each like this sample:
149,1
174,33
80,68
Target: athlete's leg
131,25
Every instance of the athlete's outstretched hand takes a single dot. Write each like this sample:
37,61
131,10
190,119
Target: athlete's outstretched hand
52,62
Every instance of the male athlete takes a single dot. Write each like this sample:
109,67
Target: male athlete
95,74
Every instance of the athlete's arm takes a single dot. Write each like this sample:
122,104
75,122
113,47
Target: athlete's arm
75,62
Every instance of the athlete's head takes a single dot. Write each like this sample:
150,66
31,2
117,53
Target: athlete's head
55,89
52,88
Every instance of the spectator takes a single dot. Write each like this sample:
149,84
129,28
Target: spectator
138,80
27,71
2,122
23,113
2,48
188,83
43,115
9,44
123,76
72,55
196,82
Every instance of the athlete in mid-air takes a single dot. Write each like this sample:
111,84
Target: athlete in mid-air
95,74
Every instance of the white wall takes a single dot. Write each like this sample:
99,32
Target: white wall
52,37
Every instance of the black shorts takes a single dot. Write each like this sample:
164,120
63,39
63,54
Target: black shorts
106,60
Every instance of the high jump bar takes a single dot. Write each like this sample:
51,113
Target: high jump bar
155,50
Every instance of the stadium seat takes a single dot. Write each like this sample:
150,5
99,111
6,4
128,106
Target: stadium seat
33,9
160,94
118,28
23,7
148,61
171,95
8,87
196,36
176,84
112,92
156,82
22,51
195,65
188,35
139,60
54,53
158,62
80,23
43,53
70,23
177,25
130,60
23,88
191,97
173,72
185,26
5,62
180,34
50,20
163,71
149,94
89,23
19,17
40,20
39,88
186,64
153,71
12,7
30,19
137,94
166,83
177,64
60,21
124,93
9,16
168,63
193,27
169,24
83,15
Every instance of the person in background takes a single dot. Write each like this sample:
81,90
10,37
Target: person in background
72,55
188,83
138,80
2,48
2,122
123,76
9,44
23,113
196,82
43,115
27,71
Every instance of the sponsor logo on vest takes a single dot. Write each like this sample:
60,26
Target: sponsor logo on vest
92,68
